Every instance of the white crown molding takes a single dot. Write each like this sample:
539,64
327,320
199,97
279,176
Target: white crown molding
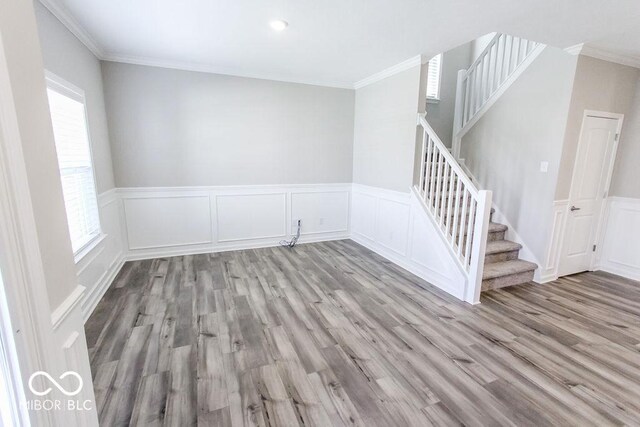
212,69
575,49
65,17
398,68
605,55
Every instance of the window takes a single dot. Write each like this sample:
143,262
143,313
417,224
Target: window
69,119
433,79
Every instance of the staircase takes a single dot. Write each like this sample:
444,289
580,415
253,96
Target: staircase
461,211
457,215
490,75
502,267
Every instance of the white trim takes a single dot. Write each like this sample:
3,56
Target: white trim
615,239
549,270
64,87
452,281
67,19
575,49
213,69
126,192
398,68
89,246
599,234
603,54
68,89
93,297
20,257
62,311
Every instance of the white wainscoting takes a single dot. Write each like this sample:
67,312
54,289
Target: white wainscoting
549,270
621,240
97,269
250,217
394,225
156,221
177,221
68,333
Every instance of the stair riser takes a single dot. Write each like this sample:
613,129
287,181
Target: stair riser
501,256
495,236
510,280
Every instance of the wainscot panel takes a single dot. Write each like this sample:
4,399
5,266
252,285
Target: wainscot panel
621,239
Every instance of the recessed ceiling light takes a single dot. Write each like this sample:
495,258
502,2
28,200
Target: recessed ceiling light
279,25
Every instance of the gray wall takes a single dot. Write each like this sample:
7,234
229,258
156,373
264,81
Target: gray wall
626,172
65,56
602,86
524,127
385,130
18,34
440,114
182,128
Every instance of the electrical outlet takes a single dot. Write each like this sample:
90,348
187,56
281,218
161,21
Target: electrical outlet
321,221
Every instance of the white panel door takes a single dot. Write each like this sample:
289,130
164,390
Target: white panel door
590,180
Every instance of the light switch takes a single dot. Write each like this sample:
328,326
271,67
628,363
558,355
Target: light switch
544,166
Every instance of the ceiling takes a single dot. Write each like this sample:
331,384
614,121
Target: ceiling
332,42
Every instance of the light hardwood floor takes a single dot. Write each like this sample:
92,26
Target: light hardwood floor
333,334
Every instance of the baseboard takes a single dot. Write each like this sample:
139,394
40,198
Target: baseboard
393,225
428,276
234,246
627,273
91,299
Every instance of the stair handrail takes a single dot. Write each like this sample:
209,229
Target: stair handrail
478,87
458,208
484,52
448,156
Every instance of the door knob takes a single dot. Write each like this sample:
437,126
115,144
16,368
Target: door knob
573,208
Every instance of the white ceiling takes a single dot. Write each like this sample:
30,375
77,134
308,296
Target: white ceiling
332,42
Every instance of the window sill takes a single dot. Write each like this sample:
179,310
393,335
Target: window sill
433,101
87,248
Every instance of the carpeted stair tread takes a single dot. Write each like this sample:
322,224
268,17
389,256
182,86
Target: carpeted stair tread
506,268
498,246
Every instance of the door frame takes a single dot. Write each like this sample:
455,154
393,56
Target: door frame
25,290
599,232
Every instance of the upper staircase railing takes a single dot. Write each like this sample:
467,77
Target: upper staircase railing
491,73
460,211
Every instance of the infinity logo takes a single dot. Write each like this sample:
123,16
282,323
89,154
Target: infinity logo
50,378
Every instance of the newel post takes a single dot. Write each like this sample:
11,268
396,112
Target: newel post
458,112
479,247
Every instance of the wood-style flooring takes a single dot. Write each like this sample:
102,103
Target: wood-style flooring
333,334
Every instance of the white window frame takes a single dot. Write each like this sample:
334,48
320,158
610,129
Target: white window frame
436,99
65,88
